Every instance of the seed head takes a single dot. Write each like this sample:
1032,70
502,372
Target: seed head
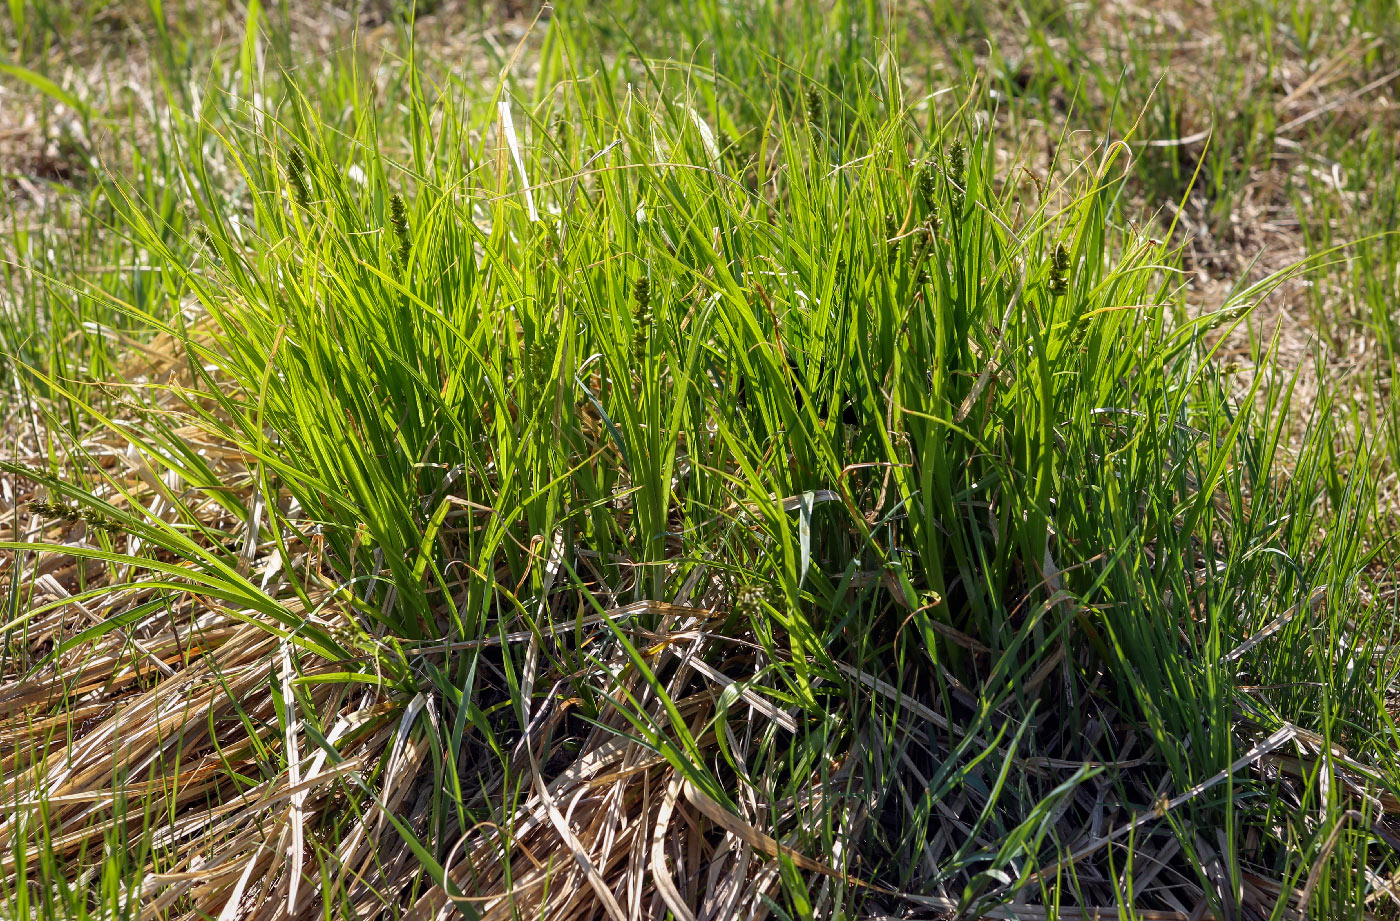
928,187
296,176
891,235
815,109
100,522
200,232
957,175
398,219
957,161
72,514
748,601
538,359
56,511
641,315
1059,271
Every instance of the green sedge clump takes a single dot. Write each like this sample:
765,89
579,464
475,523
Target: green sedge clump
1059,271
641,315
398,219
296,177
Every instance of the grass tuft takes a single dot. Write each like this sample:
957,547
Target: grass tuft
749,480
